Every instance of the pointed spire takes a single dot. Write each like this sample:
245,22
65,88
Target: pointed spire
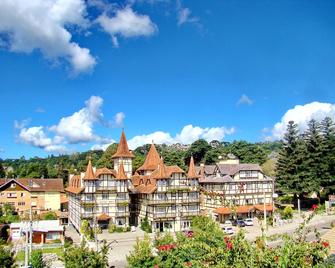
121,175
122,148
191,170
161,170
152,160
89,174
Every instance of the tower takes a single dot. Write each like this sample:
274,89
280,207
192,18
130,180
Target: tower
124,156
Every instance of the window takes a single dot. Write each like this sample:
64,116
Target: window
88,209
21,203
52,236
180,194
22,194
260,200
121,221
173,195
105,210
11,195
13,185
104,196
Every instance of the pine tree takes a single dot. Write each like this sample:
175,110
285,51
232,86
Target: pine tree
286,169
328,155
313,157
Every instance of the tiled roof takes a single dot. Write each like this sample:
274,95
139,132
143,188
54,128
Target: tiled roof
216,179
122,149
103,217
103,171
152,160
191,174
121,175
232,169
89,174
37,185
75,185
243,209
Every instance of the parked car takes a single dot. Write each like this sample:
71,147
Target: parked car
248,222
228,230
228,222
239,223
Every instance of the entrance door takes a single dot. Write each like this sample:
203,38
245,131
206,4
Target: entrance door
161,226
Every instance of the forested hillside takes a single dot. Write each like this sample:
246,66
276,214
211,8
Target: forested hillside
202,151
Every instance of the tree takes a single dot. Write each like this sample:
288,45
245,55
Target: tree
328,155
198,150
50,215
37,259
81,256
313,162
2,171
289,168
106,158
6,257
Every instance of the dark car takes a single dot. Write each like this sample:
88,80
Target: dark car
239,223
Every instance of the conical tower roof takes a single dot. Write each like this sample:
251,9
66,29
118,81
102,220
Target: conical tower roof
191,174
122,149
152,160
160,172
121,175
89,174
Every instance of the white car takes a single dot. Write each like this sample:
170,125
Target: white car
249,222
228,230
228,222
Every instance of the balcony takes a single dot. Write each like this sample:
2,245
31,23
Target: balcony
87,202
164,215
190,213
106,188
87,215
122,214
161,201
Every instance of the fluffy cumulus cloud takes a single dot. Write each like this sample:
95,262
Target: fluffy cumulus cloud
244,100
187,135
44,25
78,127
127,23
119,118
302,114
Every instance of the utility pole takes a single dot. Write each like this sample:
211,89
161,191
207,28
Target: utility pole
30,231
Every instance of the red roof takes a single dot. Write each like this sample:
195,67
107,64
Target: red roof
121,175
89,174
122,148
152,160
243,209
191,170
103,217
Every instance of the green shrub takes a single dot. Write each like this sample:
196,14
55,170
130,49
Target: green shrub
285,199
119,229
111,227
287,213
51,215
37,259
145,225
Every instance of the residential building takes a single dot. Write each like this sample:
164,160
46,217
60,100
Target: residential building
49,231
101,195
40,194
163,194
231,189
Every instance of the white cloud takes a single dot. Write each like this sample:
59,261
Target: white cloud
44,25
187,135
22,123
35,136
127,23
78,127
301,115
39,110
119,118
184,15
244,99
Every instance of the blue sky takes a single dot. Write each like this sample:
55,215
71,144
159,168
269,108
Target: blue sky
175,71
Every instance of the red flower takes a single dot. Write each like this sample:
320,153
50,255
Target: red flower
229,245
188,264
314,207
276,258
226,239
325,244
166,247
156,266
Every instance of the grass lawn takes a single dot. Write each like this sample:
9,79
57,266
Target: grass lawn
58,251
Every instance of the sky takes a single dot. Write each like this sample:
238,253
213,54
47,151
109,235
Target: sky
73,73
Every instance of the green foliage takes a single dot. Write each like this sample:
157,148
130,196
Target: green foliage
2,171
6,257
285,199
87,230
287,213
208,246
145,225
8,214
37,259
50,215
81,256
106,158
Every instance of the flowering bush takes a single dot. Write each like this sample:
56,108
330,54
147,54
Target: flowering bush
207,246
